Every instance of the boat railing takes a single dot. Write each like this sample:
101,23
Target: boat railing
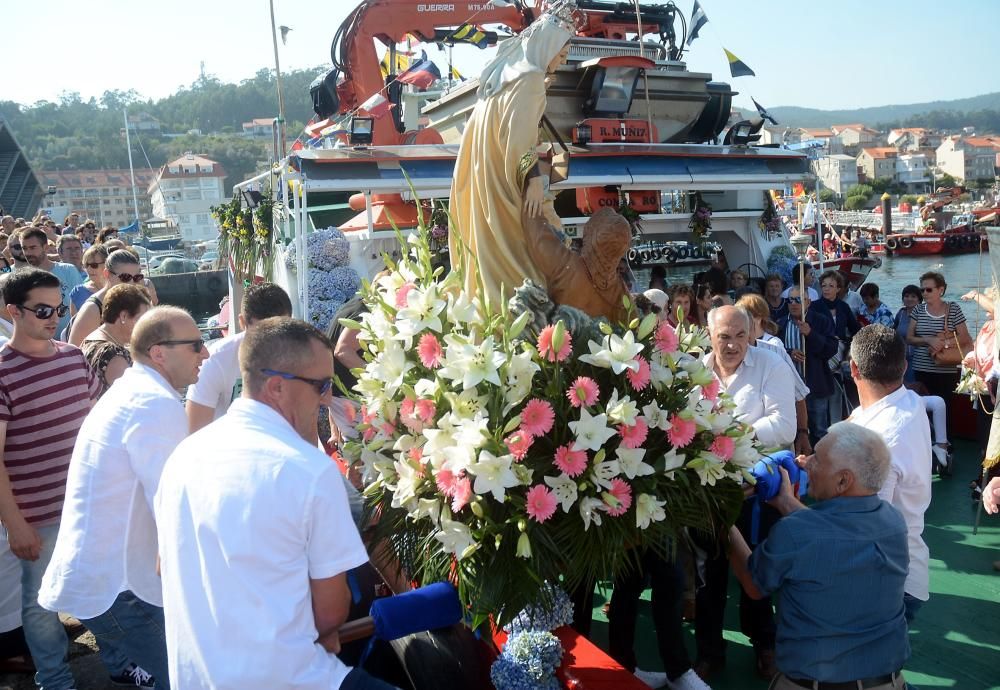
870,221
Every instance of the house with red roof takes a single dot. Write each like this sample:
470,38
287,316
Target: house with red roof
969,158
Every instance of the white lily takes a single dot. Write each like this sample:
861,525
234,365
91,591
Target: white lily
709,469
523,546
660,375
604,472
590,511
564,488
520,372
622,411
672,461
466,404
656,418
408,479
462,310
456,538
617,353
443,448
631,462
493,475
422,311
391,366
648,509
427,388
472,364
429,507
591,431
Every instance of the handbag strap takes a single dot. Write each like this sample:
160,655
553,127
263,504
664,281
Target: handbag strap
555,135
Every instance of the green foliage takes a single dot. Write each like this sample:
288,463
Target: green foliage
981,183
83,135
862,190
856,203
909,199
881,185
826,195
946,180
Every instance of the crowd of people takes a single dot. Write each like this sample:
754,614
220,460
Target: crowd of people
209,542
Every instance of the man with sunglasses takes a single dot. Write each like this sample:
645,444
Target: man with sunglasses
103,568
249,510
34,244
46,389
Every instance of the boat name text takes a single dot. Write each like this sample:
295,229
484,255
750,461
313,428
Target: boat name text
435,8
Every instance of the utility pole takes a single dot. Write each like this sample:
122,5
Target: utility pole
281,97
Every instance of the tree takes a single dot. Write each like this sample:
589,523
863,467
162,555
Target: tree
946,180
863,190
881,185
856,202
827,195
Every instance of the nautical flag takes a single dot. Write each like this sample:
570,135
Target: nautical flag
421,73
698,20
403,61
763,113
377,106
284,33
455,74
313,129
467,33
737,67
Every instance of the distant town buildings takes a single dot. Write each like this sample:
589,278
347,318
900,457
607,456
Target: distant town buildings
854,137
838,172
144,123
104,196
969,158
259,128
184,191
913,171
877,162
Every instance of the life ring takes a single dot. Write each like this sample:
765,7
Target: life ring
670,256
655,254
906,242
695,252
644,255
635,258
682,253
215,285
892,244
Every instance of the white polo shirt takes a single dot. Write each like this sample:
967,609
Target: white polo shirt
901,420
249,512
107,535
219,382
764,393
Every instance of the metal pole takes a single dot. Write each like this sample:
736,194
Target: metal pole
277,77
819,226
128,142
803,296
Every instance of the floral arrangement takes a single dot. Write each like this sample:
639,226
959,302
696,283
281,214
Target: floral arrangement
528,662
246,235
971,383
503,449
552,610
330,281
769,221
701,219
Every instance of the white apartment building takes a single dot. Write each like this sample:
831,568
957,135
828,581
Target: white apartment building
104,196
913,170
838,172
184,192
968,158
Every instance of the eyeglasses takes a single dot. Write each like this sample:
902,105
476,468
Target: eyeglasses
930,289
44,311
126,277
196,345
321,386
94,265
795,300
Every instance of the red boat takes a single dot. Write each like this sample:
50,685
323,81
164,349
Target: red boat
948,242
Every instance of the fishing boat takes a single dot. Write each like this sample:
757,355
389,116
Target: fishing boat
960,237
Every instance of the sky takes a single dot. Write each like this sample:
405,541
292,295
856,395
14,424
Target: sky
829,55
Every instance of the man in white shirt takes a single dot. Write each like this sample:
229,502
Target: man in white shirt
255,533
878,362
219,383
103,568
763,388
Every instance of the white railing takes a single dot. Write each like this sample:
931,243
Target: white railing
871,221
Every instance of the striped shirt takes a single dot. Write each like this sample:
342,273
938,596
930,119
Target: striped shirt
929,326
43,401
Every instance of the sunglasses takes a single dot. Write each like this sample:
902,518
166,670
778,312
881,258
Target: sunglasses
321,386
795,300
44,311
94,265
127,277
930,289
196,345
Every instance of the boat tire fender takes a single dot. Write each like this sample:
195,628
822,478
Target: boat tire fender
682,253
906,242
951,242
695,252
670,256
891,243
655,254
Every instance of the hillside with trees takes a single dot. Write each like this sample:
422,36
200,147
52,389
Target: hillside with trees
981,111
77,134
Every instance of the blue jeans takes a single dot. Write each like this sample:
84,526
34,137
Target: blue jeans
43,630
136,628
912,605
819,415
357,679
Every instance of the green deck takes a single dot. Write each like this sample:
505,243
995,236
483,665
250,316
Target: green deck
956,637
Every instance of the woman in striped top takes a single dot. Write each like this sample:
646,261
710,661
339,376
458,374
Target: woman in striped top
927,321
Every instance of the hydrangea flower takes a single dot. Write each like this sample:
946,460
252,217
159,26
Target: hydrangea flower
528,661
322,286
552,610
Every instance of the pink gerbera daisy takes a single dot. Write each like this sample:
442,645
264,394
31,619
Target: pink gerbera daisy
462,494
639,379
537,417
425,409
541,503
429,350
634,436
723,446
518,443
545,345
416,454
572,462
711,391
584,391
408,417
622,493
681,431
446,481
402,293
665,339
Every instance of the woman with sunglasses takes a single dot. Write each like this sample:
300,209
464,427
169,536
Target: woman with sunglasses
121,266
106,349
93,263
934,326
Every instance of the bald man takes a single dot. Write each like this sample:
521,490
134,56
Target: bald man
103,569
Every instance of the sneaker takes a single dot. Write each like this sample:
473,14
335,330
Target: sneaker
689,681
134,677
653,679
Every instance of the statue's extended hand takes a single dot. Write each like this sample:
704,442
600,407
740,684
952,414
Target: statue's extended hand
534,195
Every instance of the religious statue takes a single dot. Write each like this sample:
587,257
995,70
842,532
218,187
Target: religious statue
497,173
588,280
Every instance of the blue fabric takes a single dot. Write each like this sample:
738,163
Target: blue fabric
79,295
769,478
845,325
137,628
427,608
838,571
359,679
912,605
818,411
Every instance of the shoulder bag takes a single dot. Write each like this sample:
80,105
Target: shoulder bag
950,355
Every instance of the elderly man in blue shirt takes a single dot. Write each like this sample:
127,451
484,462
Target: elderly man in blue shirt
838,570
